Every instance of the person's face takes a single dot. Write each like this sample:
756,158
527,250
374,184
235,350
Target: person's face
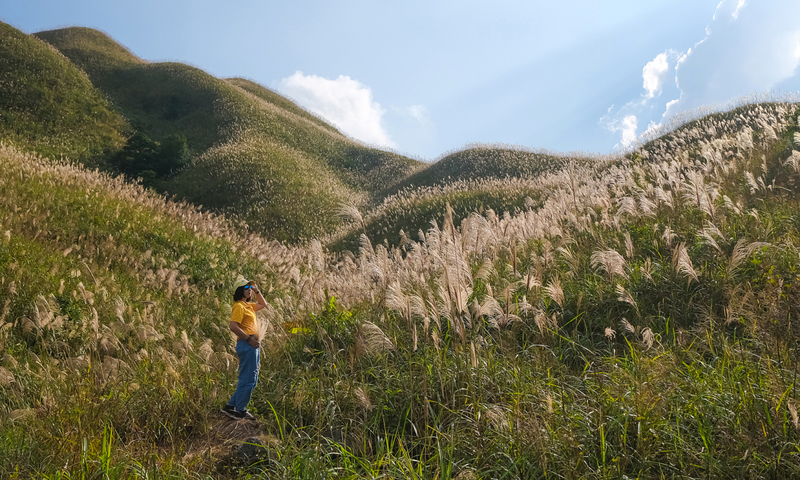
248,292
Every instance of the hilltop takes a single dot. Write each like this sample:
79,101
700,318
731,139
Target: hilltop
49,106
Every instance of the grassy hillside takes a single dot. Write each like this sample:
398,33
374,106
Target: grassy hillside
483,162
637,322
96,281
49,106
499,180
479,179
225,121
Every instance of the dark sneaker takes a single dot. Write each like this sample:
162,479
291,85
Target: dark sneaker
229,411
245,415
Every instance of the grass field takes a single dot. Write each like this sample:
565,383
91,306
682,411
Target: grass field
563,316
639,322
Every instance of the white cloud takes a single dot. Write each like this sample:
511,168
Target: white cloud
345,102
628,130
671,103
739,6
625,126
653,74
651,129
419,113
752,54
749,47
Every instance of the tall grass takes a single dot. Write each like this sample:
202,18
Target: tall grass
635,318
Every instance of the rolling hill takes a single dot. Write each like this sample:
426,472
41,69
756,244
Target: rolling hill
297,167
477,179
49,106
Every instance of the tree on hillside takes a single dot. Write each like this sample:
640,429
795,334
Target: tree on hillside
151,160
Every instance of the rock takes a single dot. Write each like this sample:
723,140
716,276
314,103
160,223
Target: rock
253,450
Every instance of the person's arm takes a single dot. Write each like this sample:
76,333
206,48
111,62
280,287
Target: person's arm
260,301
236,328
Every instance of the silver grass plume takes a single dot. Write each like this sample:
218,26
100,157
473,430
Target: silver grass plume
627,205
625,297
793,410
647,268
555,292
731,206
485,271
751,182
698,193
490,309
664,197
362,398
648,337
350,212
708,233
371,340
540,320
610,334
668,236
741,251
683,264
365,245
609,261
572,261
628,245
626,326
409,306
793,160
646,206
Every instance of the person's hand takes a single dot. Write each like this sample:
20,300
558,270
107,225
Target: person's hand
252,340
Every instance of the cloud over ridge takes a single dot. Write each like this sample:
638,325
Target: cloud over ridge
749,47
345,102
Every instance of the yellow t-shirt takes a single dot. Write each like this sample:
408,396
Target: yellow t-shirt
244,315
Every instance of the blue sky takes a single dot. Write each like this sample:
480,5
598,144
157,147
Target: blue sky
428,77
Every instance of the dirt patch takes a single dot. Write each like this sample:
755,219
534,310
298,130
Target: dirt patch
233,444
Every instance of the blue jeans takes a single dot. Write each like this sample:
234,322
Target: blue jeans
248,375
